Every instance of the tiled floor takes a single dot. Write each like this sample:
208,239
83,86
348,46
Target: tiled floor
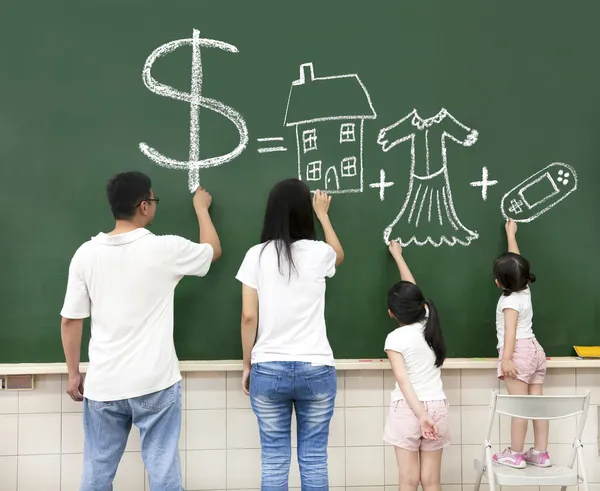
41,436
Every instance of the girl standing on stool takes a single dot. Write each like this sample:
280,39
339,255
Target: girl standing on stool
288,362
417,424
522,361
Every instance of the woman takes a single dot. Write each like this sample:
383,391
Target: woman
291,363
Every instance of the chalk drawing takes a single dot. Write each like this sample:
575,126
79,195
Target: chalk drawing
382,184
539,192
428,215
268,140
484,183
196,100
315,110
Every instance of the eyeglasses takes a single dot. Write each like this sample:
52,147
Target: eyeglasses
156,200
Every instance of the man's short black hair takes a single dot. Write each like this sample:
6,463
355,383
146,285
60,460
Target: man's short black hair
125,191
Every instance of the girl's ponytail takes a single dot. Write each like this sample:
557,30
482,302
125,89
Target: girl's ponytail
433,334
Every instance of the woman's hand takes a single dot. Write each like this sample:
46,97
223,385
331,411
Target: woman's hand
246,381
321,202
428,428
509,369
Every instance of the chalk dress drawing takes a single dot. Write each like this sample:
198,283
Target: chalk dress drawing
428,215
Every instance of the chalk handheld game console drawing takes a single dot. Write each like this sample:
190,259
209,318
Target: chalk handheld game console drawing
538,193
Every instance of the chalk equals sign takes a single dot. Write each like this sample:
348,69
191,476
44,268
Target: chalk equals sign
271,141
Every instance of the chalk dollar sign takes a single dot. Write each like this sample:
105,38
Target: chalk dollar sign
196,101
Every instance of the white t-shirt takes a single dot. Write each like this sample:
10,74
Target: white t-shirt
291,317
521,302
419,360
126,283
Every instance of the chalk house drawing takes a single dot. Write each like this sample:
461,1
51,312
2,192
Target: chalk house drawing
539,192
428,215
328,114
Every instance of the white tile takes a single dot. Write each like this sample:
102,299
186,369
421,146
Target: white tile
182,433
474,425
560,382
207,469
71,471
451,465
39,434
341,389
366,488
476,386
243,469
134,441
391,467
9,402
242,429
365,466
364,427
45,398
39,472
235,397
364,388
469,453
206,390
455,423
337,428
8,473
68,404
591,459
72,433
590,431
505,423
130,474
560,453
9,429
451,487
183,460
206,429
389,383
451,381
589,379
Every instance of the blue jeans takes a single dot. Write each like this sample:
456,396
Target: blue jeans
107,425
274,388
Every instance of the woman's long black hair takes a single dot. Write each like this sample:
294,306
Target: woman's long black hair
407,304
288,218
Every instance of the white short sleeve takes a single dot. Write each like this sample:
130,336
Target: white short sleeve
77,302
511,302
187,258
329,259
248,272
395,342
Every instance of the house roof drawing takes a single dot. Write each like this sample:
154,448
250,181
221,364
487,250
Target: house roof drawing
314,99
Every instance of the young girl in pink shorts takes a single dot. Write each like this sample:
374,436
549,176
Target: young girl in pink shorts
417,423
522,361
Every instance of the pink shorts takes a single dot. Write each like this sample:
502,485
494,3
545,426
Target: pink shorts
402,428
529,359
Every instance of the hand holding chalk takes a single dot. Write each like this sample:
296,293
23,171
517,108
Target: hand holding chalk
202,200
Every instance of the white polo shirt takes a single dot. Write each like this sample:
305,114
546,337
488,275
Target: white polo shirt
291,310
126,283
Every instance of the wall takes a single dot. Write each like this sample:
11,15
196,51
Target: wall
41,438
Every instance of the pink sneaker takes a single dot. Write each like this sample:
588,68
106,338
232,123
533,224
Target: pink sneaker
510,459
539,459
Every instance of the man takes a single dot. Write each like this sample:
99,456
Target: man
125,280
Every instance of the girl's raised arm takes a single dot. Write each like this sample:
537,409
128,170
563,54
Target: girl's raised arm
396,252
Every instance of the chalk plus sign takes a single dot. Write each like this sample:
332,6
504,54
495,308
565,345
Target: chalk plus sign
382,184
484,183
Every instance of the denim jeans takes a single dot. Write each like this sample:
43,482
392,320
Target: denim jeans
107,425
276,387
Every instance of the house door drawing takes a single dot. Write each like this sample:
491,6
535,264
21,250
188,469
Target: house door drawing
332,181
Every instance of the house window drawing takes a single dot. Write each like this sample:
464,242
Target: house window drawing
335,108
309,140
313,171
349,167
347,133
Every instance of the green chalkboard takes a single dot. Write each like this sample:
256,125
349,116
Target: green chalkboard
511,87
